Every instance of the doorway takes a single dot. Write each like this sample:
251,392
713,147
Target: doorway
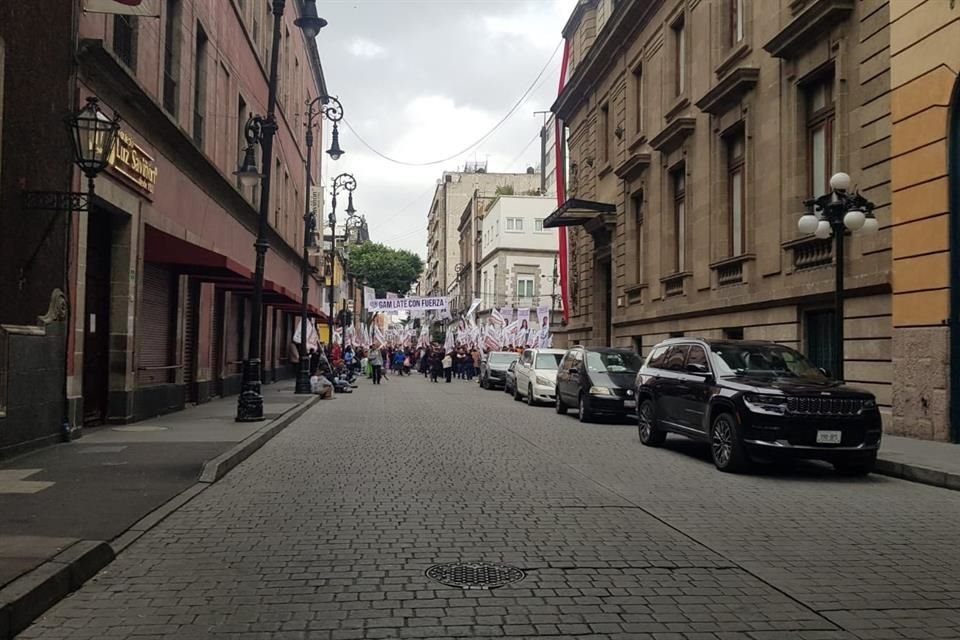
96,325
603,299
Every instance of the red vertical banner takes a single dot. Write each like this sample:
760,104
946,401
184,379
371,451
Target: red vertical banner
560,150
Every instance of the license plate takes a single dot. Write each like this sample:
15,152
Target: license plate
629,404
829,437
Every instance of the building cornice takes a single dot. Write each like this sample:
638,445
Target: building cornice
729,91
628,18
806,28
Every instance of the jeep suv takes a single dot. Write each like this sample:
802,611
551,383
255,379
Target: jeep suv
754,399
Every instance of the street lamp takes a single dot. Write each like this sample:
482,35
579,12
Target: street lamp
835,214
330,108
260,130
343,182
309,22
93,135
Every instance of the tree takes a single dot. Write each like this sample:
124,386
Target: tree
384,268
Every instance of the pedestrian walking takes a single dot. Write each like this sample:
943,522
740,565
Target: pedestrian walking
436,365
448,367
376,363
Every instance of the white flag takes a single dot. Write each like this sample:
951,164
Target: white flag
149,8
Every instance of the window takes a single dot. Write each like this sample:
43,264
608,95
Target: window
736,188
200,86
735,25
514,224
658,358
675,357
241,131
820,136
679,180
638,99
733,333
525,288
697,356
605,133
820,341
679,56
171,57
125,40
538,224
636,205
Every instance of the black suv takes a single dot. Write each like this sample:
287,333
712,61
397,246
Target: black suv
493,368
754,399
597,381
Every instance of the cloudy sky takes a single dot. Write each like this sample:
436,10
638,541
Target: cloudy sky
420,80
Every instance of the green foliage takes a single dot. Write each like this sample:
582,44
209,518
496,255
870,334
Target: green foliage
504,190
384,268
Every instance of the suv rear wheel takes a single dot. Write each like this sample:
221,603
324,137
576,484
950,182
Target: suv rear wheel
726,445
650,435
859,465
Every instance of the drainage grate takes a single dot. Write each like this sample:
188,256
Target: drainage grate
475,575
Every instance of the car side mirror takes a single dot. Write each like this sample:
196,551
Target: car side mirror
826,372
698,369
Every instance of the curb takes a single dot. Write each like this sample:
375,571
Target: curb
215,469
918,473
29,596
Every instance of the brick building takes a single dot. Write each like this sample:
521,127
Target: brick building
696,129
158,273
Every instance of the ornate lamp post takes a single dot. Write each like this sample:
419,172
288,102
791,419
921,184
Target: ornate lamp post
330,108
343,182
261,130
93,135
835,214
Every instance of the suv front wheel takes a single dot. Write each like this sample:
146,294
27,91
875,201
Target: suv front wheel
650,435
726,445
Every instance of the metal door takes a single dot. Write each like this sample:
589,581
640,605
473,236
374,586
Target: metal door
96,336
191,333
155,360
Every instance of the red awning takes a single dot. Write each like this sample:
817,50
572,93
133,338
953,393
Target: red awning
162,248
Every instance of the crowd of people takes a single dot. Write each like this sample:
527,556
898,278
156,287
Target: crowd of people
334,369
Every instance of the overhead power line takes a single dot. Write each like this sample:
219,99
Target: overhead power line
476,143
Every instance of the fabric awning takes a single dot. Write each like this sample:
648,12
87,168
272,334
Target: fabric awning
576,212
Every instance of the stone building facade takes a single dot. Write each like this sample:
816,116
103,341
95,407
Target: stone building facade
157,274
696,129
454,191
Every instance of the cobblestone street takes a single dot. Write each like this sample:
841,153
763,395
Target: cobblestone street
326,533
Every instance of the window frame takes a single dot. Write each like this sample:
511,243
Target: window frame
678,27
526,278
736,174
678,186
538,225
816,120
172,44
605,134
126,50
638,115
636,206
200,81
736,27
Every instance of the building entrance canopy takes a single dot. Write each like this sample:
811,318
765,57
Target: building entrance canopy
576,212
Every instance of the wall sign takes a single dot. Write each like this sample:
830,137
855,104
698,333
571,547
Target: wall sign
132,162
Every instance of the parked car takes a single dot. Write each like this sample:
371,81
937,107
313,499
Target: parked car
597,381
510,379
493,368
536,375
755,399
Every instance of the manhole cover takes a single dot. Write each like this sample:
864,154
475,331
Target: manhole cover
475,575
140,429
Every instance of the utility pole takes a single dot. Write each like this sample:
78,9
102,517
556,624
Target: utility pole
543,150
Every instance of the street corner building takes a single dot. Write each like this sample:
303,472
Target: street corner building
135,300
692,133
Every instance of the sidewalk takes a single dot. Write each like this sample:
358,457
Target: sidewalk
934,463
68,506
